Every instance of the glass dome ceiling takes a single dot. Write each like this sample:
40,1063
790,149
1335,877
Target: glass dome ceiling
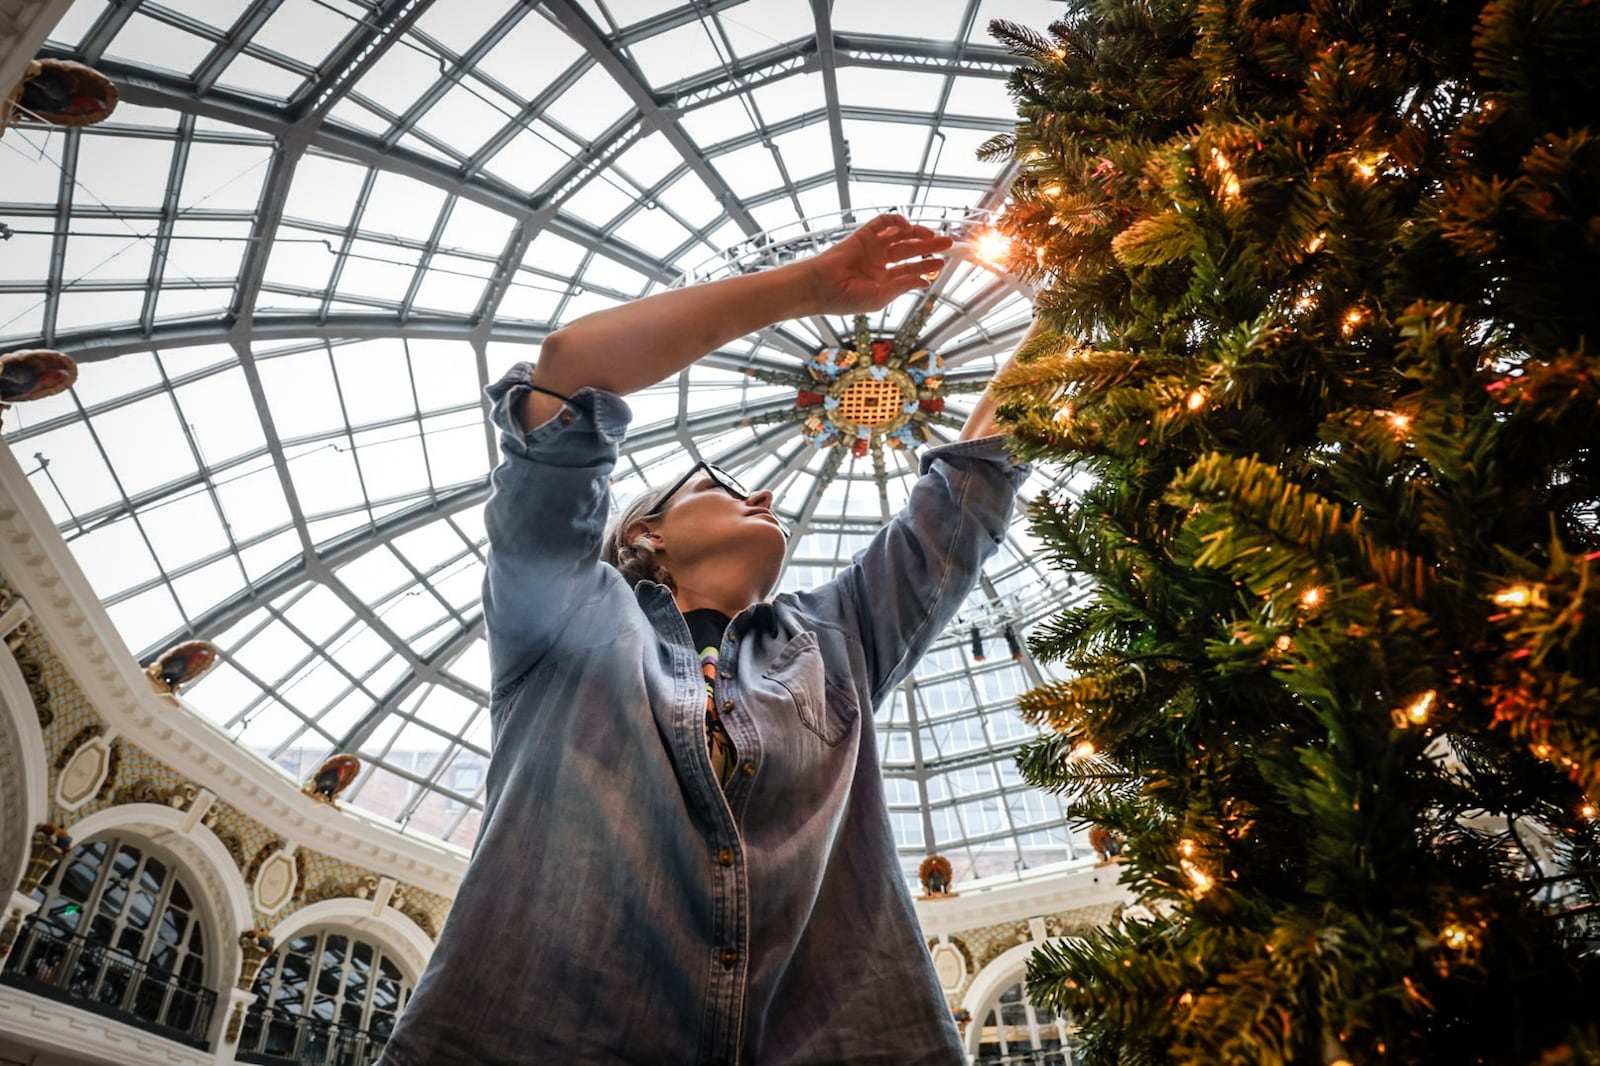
314,229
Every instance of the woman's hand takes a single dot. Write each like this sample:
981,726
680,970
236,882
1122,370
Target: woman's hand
884,258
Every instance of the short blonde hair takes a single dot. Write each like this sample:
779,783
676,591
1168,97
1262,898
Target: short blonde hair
636,559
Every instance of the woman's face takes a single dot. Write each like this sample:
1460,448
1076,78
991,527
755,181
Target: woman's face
705,524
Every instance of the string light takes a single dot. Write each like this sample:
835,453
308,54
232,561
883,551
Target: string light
1587,811
1417,711
1367,165
1311,597
1520,595
1352,318
1081,750
1197,399
1314,245
1230,182
1400,422
1283,643
1457,937
1202,881
992,246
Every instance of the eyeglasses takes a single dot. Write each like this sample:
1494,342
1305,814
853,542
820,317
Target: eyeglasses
720,478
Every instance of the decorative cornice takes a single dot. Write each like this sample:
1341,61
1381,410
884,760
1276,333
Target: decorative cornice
1073,888
37,564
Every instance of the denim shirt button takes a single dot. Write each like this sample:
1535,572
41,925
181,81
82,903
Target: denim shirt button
729,957
727,705
725,856
748,769
568,417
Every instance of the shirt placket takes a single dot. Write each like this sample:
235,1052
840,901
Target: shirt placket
722,1023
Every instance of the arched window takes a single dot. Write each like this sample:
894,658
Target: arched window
324,999
116,932
1016,1032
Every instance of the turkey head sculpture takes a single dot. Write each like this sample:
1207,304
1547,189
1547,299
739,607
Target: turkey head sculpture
33,374
180,665
336,774
60,92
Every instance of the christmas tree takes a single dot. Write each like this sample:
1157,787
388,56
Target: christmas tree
1324,286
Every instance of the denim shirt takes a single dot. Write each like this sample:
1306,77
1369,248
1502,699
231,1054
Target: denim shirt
620,907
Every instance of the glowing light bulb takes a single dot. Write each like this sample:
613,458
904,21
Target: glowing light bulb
1081,750
1314,245
1283,643
1456,936
992,246
1197,399
1186,848
1543,751
1352,318
1400,422
1311,597
1230,181
1202,881
1367,165
1417,710
1587,811
1519,595
1052,189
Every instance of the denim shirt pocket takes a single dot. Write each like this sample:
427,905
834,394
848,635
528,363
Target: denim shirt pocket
826,708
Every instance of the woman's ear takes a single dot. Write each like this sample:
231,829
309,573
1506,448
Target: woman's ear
642,529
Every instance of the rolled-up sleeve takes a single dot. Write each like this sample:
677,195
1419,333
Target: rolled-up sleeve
906,585
546,516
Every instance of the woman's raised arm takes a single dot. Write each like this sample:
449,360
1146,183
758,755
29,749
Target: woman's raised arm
630,347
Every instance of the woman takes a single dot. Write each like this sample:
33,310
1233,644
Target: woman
686,858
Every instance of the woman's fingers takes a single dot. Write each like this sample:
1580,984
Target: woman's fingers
917,247
907,276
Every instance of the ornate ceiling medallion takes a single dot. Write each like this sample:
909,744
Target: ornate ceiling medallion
870,393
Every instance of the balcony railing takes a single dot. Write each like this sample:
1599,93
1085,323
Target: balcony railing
109,981
274,1036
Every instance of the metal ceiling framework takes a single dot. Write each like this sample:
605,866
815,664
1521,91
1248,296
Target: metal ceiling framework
950,721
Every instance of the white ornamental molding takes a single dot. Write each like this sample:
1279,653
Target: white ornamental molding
74,1034
24,772
24,26
275,881
402,939
201,860
85,771
950,966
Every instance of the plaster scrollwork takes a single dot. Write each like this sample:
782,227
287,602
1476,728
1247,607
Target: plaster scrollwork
179,797
18,640
383,891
